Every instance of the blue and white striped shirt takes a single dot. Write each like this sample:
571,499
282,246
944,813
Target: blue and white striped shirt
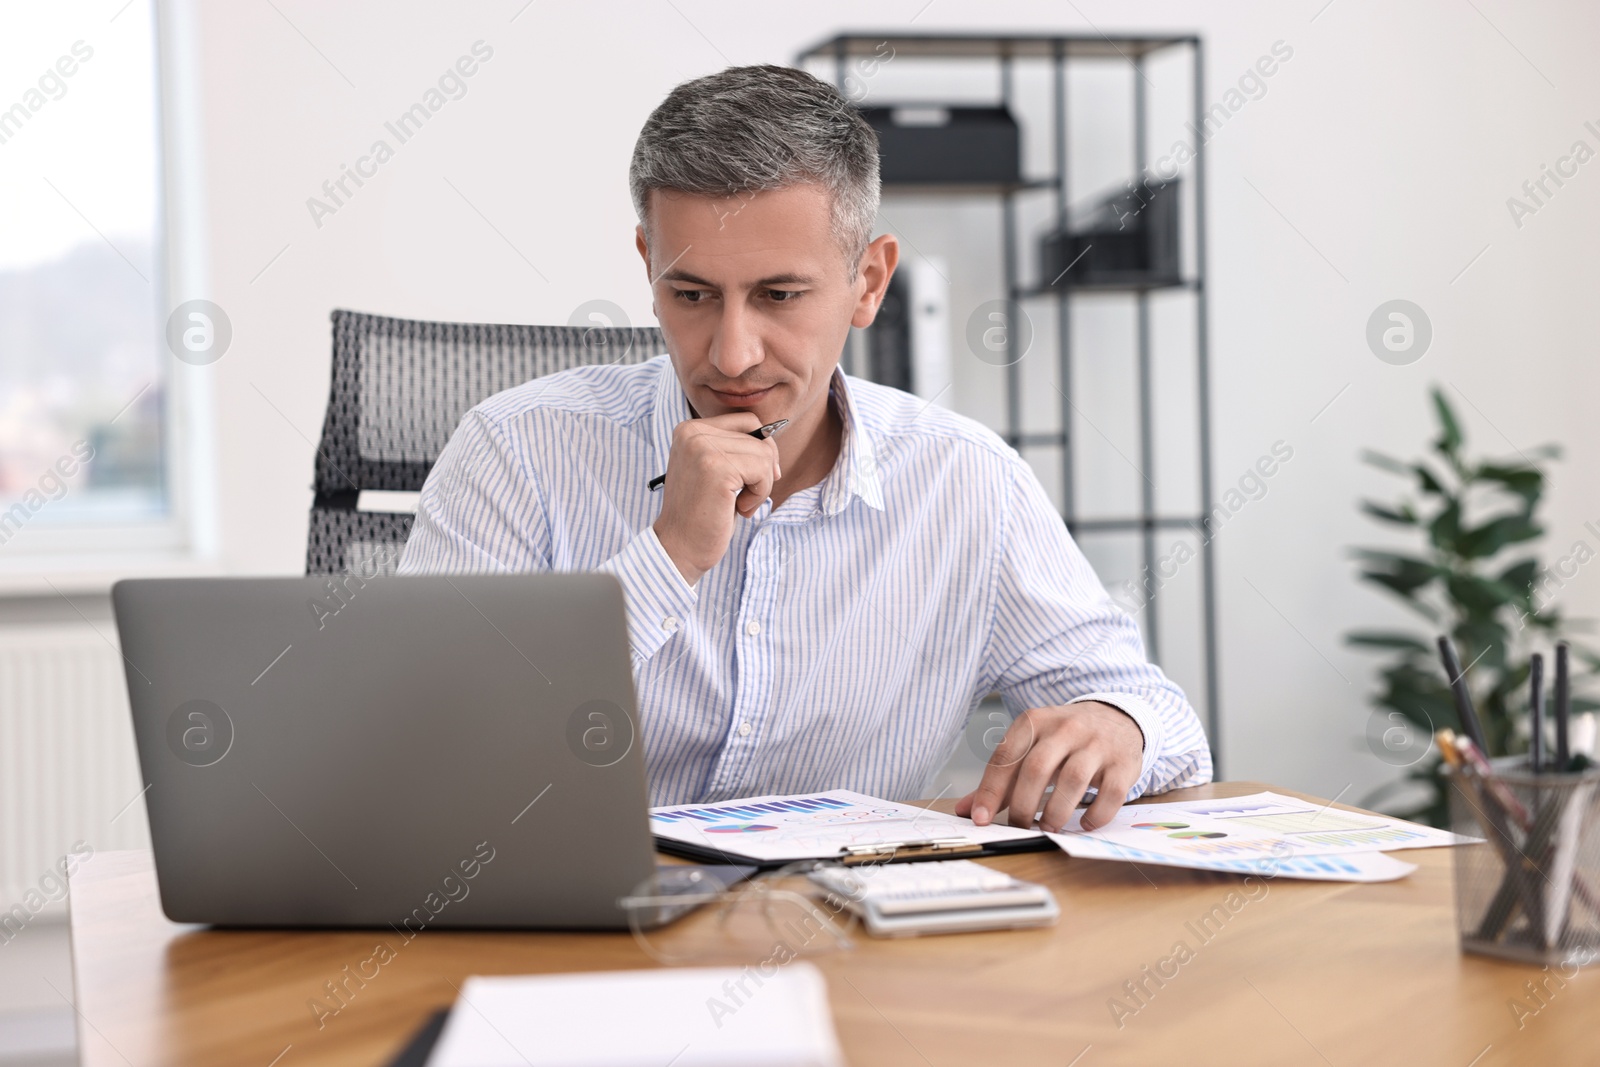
847,636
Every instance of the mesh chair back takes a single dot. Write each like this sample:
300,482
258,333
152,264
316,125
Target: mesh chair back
399,387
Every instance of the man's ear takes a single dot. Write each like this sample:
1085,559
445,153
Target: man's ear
644,249
876,268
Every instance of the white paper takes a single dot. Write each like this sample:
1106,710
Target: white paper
814,825
1254,827
688,1017
1349,867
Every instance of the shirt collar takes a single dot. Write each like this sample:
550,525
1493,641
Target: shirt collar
855,473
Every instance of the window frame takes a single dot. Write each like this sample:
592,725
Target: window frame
88,553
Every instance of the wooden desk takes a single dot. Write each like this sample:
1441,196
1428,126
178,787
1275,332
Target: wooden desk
1306,972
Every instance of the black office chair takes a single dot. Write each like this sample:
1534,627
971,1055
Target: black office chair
399,387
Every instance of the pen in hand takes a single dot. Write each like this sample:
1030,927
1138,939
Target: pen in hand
760,433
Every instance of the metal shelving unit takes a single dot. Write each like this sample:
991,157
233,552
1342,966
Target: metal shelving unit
1059,51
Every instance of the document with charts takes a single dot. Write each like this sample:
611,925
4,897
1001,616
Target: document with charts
778,829
1347,867
1251,827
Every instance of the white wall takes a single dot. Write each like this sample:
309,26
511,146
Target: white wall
1389,145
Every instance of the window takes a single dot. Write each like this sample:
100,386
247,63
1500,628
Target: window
84,403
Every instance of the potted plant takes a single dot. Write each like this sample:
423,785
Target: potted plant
1475,578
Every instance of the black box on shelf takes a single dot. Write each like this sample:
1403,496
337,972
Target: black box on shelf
1129,238
932,145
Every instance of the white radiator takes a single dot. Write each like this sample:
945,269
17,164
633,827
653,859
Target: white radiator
68,771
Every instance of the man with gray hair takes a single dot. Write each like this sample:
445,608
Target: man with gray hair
823,607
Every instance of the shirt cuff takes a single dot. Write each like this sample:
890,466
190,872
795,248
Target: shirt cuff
660,603
1146,718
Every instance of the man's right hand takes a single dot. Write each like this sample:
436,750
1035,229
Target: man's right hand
716,469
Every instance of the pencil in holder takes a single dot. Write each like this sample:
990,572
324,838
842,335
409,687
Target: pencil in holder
1531,890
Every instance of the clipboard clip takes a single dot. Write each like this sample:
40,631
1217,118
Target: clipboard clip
936,846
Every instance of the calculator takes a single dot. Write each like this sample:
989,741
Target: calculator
940,897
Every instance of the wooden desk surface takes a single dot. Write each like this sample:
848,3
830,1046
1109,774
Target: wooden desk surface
1306,972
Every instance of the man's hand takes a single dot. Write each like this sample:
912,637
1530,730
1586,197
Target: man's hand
716,469
1074,746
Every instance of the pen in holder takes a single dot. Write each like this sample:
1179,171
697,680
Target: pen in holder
1531,890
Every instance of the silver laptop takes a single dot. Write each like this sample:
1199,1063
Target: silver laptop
414,752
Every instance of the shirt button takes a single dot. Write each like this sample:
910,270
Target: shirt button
670,624
744,729
752,627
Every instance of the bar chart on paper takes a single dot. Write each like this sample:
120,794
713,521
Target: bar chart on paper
1380,837
1350,867
1256,826
750,810
1297,822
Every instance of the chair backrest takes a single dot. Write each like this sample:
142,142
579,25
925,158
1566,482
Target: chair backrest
399,388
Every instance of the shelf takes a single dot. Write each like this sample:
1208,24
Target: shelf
861,53
1036,440
1135,525
1034,292
1016,46
965,188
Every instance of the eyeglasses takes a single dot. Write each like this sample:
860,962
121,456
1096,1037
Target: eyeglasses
768,920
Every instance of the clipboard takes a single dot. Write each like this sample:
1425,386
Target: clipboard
838,825
893,852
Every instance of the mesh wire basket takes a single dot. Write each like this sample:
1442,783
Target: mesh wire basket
1531,890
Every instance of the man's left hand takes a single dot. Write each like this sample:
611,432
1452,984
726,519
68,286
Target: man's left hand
1074,746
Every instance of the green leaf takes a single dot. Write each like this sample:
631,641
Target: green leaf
1526,482
1483,643
1450,438
1480,595
1403,574
1483,541
1383,462
1513,681
1404,586
1446,526
1520,576
1382,557
1420,694
1387,639
1428,481
1404,517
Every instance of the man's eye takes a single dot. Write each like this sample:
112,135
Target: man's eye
782,296
691,296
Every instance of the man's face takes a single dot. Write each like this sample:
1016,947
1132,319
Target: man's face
755,297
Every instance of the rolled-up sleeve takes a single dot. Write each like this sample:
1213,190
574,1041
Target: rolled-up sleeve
1058,638
481,511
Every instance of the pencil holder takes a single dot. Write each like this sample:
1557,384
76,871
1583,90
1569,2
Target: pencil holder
1531,890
